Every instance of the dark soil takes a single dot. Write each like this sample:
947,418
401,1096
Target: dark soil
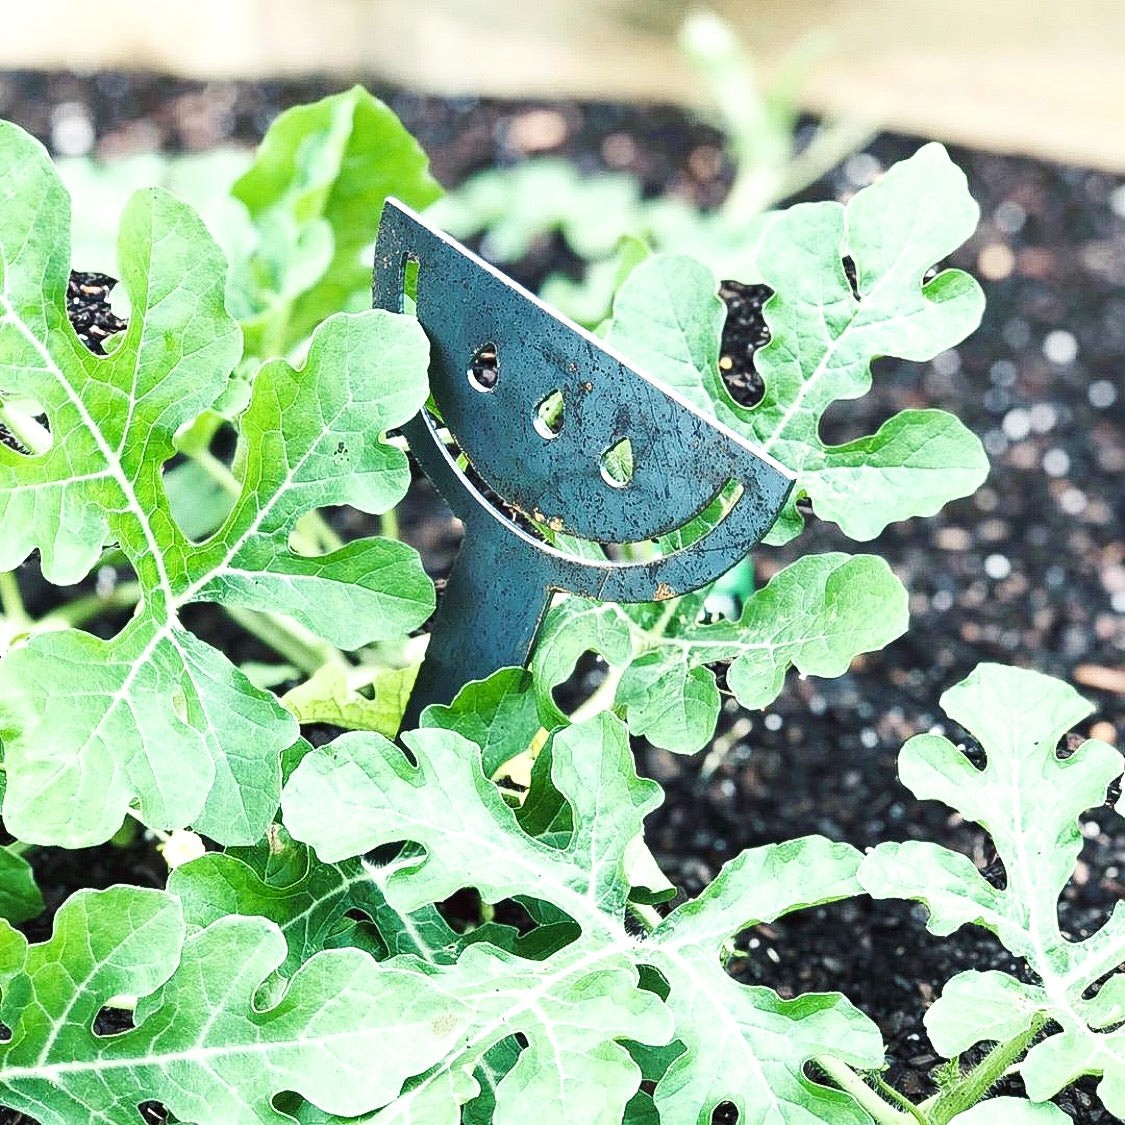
1031,570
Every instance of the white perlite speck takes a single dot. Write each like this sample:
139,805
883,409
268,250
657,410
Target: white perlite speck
1016,424
1102,394
1060,347
997,567
1056,462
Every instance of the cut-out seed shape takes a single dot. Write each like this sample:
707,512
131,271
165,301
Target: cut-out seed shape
626,459
484,368
549,415
617,463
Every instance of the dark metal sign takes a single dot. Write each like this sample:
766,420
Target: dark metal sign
568,432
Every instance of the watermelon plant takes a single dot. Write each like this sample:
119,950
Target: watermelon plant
310,963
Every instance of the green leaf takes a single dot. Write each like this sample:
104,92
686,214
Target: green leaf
310,902
668,318
815,615
1029,801
315,193
743,1044
724,1024
499,714
205,1044
101,188
331,695
1011,1111
519,206
20,899
156,718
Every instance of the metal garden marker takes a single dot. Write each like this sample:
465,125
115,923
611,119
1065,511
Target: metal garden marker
541,432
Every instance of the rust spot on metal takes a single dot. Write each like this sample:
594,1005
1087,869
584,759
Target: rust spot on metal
663,593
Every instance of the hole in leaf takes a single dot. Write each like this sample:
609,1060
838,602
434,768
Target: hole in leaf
617,464
994,872
973,751
113,1021
1068,745
410,285
89,310
549,415
484,368
152,1113
745,333
24,427
724,1113
464,910
852,276
589,672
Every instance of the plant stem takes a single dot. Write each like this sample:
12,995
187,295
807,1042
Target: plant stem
974,1085
388,524
646,915
602,697
891,1094
850,1082
81,610
35,438
11,602
296,644
217,470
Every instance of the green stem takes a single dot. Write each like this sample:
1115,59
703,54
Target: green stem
11,602
20,847
602,698
977,1082
850,1082
35,438
302,648
388,524
891,1094
217,470
78,612
646,915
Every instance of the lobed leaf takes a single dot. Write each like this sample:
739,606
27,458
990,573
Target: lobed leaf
1029,800
724,1025
155,718
583,999
204,1045
20,899
668,318
314,194
499,714
329,696
313,904
816,615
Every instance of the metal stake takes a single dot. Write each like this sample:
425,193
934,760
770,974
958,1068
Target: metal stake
556,472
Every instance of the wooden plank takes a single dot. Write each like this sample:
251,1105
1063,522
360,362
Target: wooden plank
1031,76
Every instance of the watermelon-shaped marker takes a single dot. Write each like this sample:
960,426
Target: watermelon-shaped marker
567,431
